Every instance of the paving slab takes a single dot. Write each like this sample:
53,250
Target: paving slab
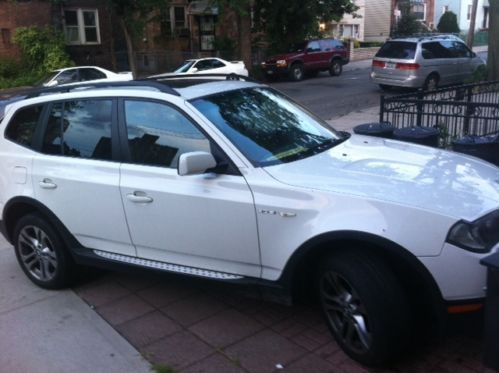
55,331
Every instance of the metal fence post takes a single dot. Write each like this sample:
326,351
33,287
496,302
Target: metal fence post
382,109
469,110
491,327
419,105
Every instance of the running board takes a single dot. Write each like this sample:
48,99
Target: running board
168,267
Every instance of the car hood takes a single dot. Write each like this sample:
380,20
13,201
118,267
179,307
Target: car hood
436,180
284,56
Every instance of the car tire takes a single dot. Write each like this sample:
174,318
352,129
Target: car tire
336,68
296,72
385,87
364,306
431,82
41,253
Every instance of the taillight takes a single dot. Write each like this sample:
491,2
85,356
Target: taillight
407,66
380,64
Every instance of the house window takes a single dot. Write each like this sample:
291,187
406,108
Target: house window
445,9
207,32
468,13
81,26
6,37
179,16
485,23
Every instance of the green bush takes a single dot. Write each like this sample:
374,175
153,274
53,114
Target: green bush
9,68
448,23
43,49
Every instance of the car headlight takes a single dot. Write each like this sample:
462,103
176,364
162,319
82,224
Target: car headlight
281,63
479,236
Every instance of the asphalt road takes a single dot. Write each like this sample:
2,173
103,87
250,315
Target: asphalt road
332,97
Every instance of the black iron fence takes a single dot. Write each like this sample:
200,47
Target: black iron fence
457,111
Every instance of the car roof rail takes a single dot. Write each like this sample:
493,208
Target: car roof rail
427,36
184,80
161,87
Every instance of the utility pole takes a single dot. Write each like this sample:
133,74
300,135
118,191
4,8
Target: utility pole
471,31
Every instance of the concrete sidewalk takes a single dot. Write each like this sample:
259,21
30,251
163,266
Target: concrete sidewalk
55,331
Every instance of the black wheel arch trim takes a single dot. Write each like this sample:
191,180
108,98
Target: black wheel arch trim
37,206
286,278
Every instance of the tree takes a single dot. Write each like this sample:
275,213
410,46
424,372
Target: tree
408,24
288,21
132,16
448,23
493,54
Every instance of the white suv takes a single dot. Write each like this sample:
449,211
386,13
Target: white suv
231,180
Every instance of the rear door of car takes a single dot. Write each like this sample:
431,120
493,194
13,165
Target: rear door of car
464,57
313,55
76,172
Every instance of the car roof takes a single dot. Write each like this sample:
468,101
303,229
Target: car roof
186,86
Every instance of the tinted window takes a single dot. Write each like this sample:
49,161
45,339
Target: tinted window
91,74
326,45
435,50
313,46
398,49
460,50
265,126
23,124
338,44
68,76
79,129
204,65
216,64
158,134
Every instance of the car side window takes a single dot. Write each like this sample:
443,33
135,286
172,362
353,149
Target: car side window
313,46
434,50
203,65
68,76
80,128
158,134
22,126
461,50
448,49
326,45
215,64
91,74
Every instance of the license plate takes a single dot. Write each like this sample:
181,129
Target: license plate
390,65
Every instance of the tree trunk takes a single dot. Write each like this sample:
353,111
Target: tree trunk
245,38
129,48
493,55
471,31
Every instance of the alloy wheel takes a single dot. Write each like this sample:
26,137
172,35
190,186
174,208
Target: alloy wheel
345,312
37,253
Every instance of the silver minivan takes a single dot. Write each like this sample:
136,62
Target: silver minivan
426,62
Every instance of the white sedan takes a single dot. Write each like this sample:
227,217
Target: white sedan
82,74
212,65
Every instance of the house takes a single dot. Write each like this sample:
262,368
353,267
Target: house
371,22
462,9
87,27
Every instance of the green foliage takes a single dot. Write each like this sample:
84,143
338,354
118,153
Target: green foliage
158,368
448,23
288,21
9,68
408,23
43,49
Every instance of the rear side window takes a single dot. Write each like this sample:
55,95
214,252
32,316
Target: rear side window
403,50
91,74
435,50
80,128
23,124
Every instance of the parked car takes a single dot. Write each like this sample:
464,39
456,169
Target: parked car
232,181
308,57
424,62
77,74
212,65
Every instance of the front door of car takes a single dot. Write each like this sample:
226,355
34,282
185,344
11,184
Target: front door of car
313,55
76,173
204,221
464,56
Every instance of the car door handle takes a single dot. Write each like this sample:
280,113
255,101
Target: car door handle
139,197
47,184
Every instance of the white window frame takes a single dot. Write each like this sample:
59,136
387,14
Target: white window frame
172,17
81,26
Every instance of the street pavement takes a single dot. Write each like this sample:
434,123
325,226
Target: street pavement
185,325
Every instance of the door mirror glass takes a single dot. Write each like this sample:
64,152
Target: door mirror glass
195,163
194,70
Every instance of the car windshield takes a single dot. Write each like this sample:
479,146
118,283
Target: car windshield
297,47
184,67
403,50
46,78
266,126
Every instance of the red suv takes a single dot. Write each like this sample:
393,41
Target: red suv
308,57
